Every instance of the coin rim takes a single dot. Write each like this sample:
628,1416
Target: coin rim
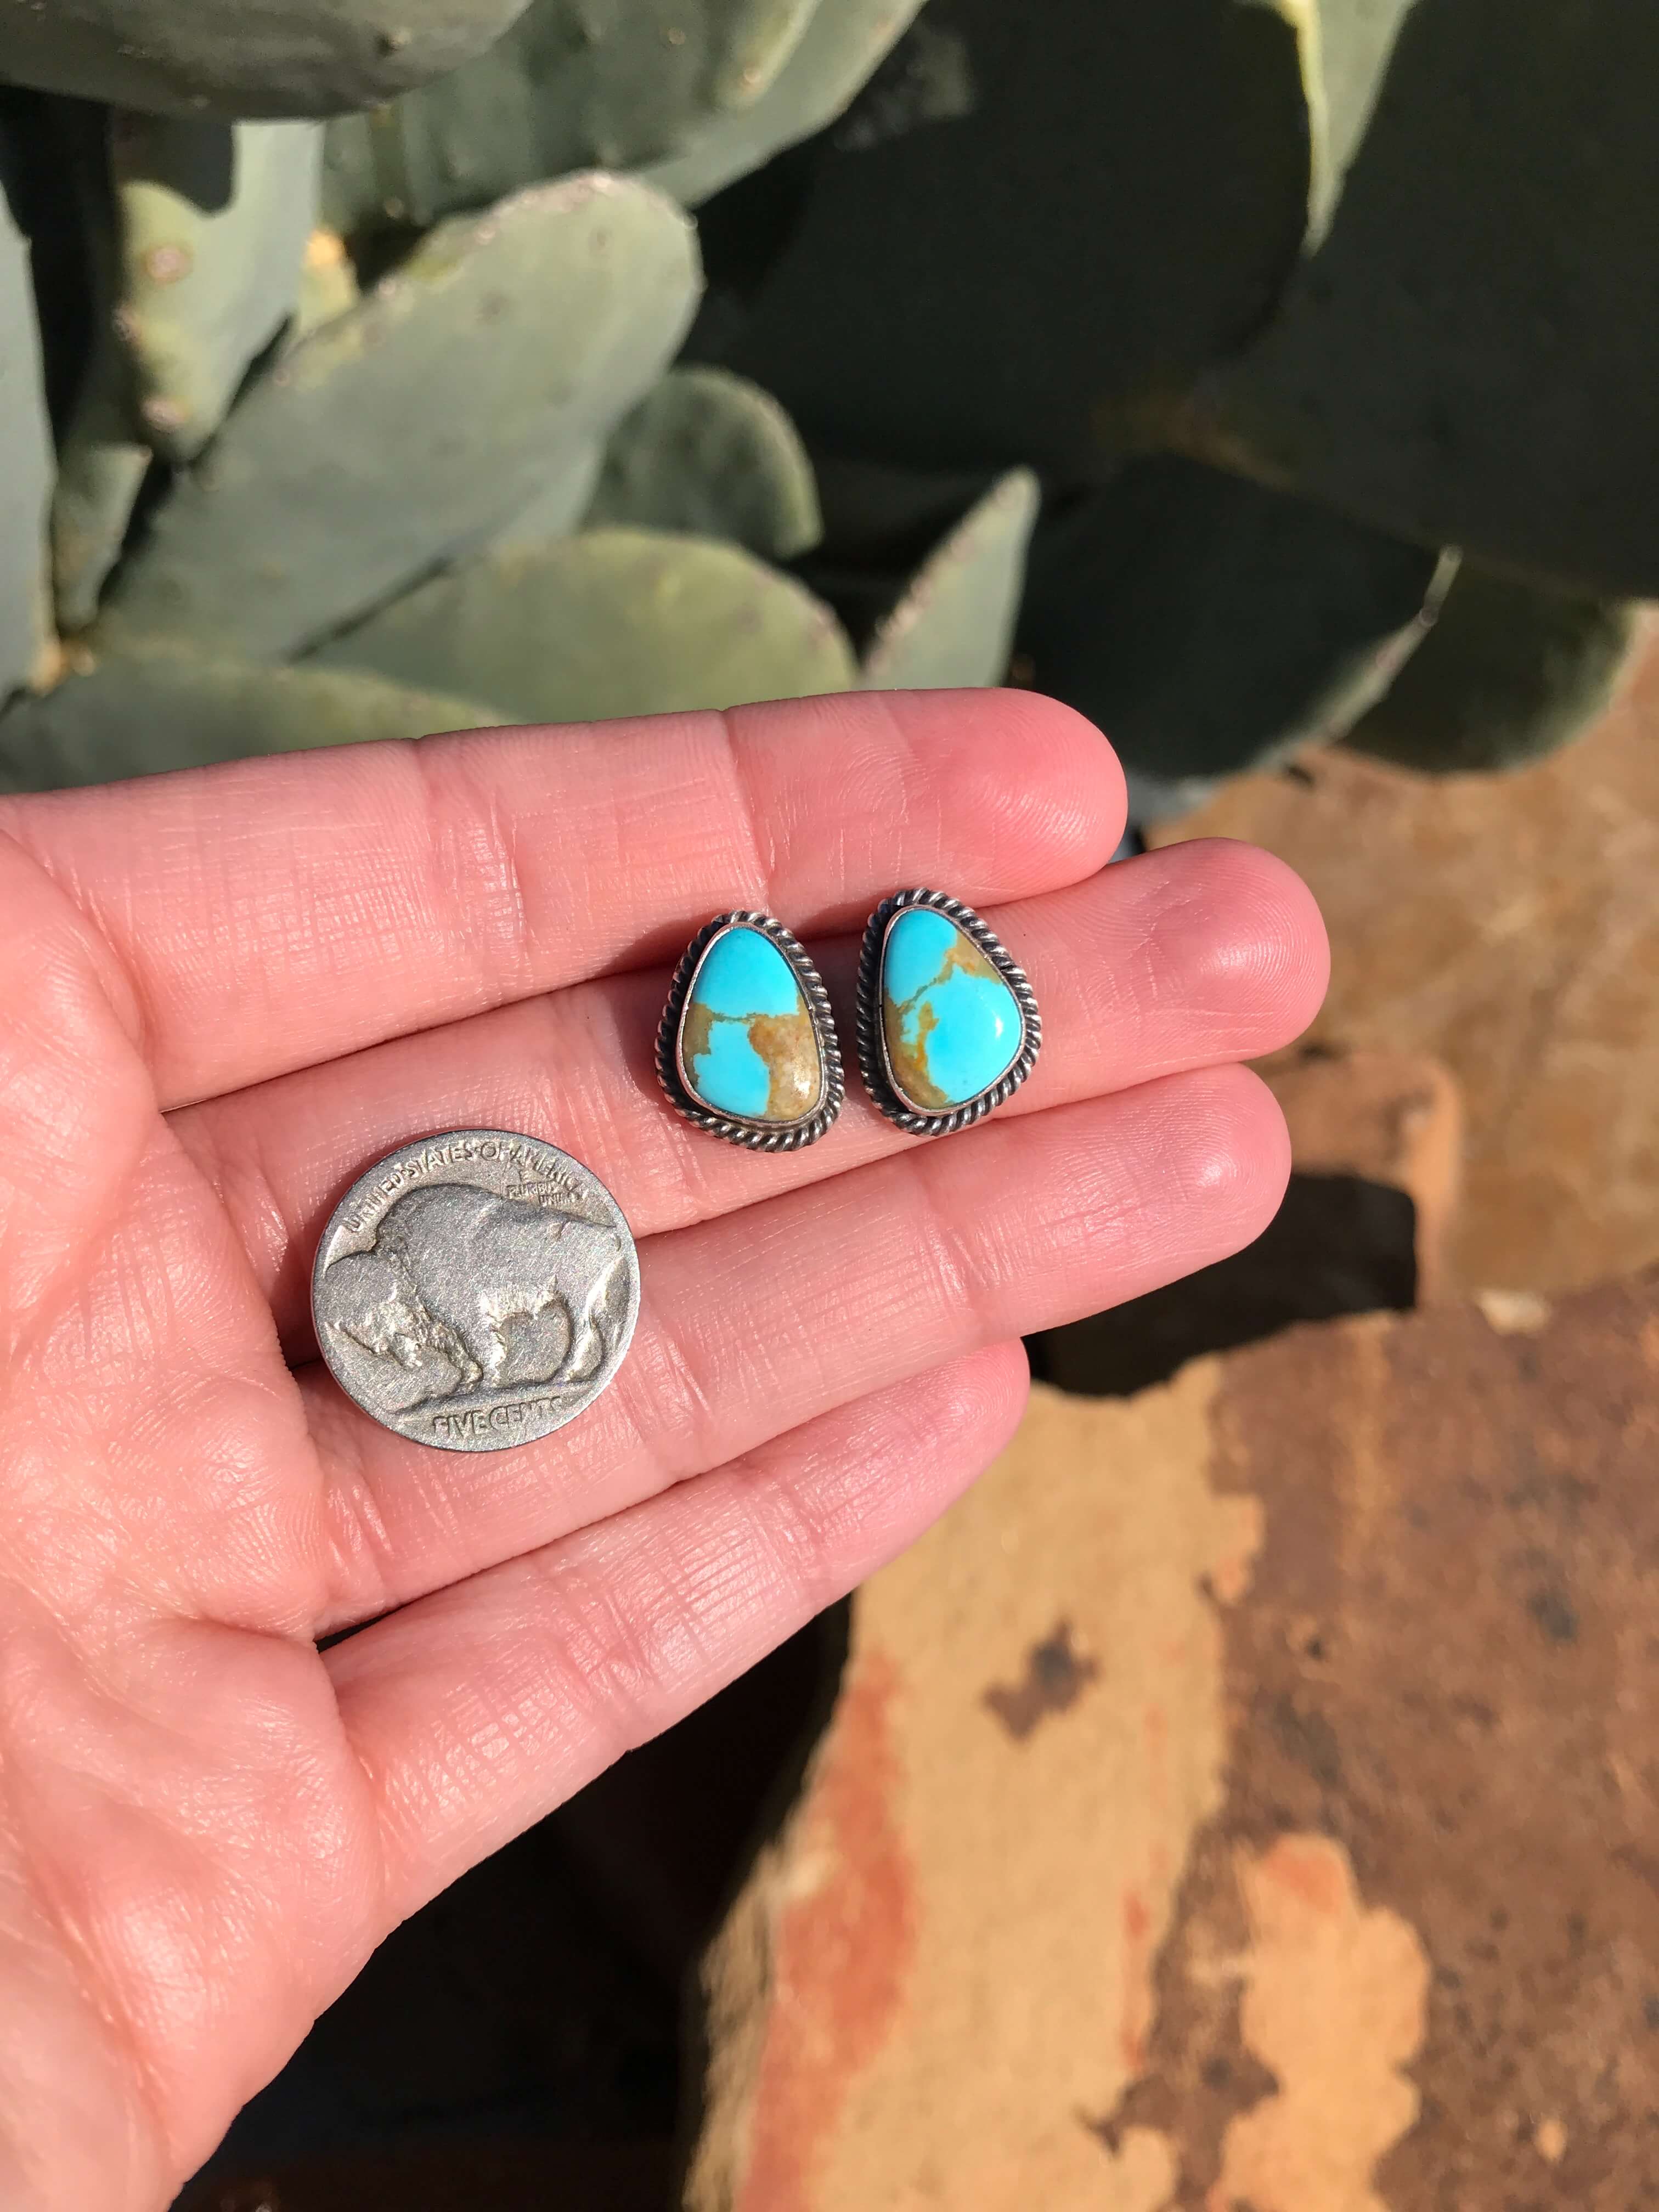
448,1136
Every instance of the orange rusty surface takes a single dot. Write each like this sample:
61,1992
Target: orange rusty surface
1434,1870
1526,959
1309,1869
842,1948
1136,1963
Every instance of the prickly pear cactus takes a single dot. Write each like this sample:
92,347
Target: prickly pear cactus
102,463
1344,46
25,465
328,284
1508,672
612,622
1211,625
1156,353
710,453
489,363
214,220
574,83
955,625
229,57
842,46
158,709
491,408
1468,354
1011,271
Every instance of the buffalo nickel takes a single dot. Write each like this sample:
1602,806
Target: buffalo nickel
476,1290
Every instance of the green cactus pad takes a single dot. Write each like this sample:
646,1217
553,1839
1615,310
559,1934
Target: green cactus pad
1031,280
137,715
234,58
558,508
713,454
1209,626
213,220
609,84
881,525
101,467
103,455
25,466
416,424
1507,673
880,516
1346,46
328,285
610,622
1469,356
842,44
956,624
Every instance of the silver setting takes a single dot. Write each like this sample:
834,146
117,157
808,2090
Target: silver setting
476,1289
758,1136
878,1080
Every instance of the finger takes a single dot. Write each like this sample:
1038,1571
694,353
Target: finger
1205,952
762,1320
272,914
480,1708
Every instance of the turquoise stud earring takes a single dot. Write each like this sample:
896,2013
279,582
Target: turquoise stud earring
747,1048
948,1024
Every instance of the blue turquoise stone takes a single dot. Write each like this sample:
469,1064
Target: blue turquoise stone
952,1023
747,1045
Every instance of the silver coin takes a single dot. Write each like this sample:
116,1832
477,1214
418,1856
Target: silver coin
476,1290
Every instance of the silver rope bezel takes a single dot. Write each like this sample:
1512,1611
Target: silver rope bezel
757,1136
878,1080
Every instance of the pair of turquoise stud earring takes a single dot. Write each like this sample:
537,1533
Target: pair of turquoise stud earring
948,1026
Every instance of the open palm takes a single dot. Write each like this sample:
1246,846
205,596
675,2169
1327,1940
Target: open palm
226,992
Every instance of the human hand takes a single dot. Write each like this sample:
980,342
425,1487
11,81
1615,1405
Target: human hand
227,993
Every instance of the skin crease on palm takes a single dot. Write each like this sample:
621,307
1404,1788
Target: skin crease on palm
226,991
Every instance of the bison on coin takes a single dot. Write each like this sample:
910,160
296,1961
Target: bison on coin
477,1263
367,1300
